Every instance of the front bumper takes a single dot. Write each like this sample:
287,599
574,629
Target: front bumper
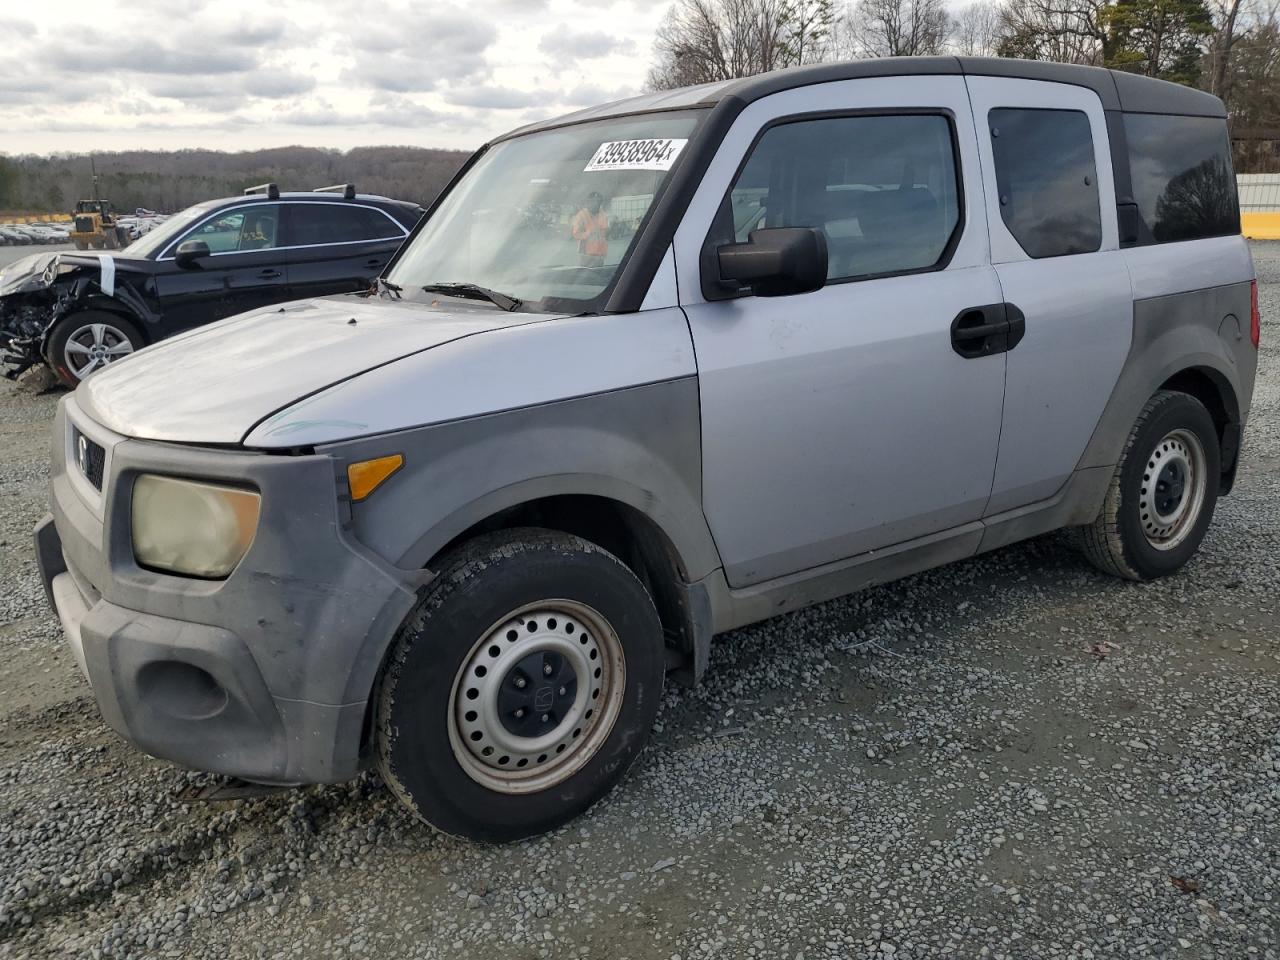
265,675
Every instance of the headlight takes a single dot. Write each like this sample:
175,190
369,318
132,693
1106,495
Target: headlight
191,528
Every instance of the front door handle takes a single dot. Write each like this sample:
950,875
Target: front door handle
987,330
374,262
269,275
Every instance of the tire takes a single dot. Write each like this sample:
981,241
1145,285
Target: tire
106,336
82,244
514,600
1162,496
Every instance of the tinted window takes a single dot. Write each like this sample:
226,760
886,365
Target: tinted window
316,223
1046,179
1182,179
251,228
882,189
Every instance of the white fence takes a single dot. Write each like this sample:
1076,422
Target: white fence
1259,192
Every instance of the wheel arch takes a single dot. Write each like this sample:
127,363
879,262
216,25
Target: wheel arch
623,521
1214,390
611,522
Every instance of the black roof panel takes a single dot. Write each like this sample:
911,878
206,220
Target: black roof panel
1116,90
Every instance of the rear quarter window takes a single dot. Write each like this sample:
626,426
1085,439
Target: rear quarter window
1047,180
1182,178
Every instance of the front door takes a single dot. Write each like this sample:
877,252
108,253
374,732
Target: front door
849,419
243,271
1054,245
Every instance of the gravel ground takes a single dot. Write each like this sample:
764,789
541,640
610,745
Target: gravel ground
1014,756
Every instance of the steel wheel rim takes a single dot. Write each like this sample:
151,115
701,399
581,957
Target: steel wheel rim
1173,489
95,345
485,691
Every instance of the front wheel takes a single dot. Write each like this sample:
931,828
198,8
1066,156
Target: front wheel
1162,495
521,687
83,342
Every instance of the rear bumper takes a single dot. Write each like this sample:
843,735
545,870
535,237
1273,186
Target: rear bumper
264,676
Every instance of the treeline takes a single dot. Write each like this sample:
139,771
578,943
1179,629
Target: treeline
169,181
1230,48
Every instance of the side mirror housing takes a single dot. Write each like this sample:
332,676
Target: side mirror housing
189,252
774,262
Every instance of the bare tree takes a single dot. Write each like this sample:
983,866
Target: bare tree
702,41
975,29
1228,16
898,28
1068,31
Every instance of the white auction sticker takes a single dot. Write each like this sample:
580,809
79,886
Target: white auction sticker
635,155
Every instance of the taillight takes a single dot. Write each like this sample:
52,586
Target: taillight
1255,318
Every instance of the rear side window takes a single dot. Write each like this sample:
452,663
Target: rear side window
882,188
1047,180
1182,179
311,224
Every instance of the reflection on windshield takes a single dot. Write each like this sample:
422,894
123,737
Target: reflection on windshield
549,218
159,238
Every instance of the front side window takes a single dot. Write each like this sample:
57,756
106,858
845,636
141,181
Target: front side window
315,224
1182,179
549,218
249,228
883,189
1047,180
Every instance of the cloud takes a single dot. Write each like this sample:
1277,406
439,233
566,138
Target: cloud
567,47
391,112
430,72
274,83
588,95
141,55
498,98
414,50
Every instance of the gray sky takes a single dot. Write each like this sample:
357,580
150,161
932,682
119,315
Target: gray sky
238,75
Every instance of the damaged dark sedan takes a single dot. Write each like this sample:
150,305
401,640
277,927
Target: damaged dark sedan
81,311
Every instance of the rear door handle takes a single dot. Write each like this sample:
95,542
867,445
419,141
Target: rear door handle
269,275
987,330
374,262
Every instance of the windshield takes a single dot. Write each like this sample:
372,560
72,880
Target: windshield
549,218
158,239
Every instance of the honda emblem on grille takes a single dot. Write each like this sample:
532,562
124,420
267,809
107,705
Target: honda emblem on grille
82,455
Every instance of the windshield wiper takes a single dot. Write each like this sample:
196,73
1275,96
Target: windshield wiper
393,290
473,291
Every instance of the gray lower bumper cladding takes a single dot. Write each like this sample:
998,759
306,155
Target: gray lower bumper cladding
265,675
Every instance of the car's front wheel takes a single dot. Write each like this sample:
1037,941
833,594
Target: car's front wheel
1163,492
84,342
521,687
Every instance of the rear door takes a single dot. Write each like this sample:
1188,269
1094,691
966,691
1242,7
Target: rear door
1051,207
337,247
846,420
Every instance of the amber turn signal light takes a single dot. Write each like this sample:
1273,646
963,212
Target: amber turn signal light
367,475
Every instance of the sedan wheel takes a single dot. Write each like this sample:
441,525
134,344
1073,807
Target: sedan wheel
95,345
86,342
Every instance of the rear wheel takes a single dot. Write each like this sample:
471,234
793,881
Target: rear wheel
521,687
82,244
84,342
1162,495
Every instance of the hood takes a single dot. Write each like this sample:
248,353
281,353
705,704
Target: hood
42,269
214,384
25,274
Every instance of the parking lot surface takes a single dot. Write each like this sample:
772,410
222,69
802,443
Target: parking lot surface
1014,756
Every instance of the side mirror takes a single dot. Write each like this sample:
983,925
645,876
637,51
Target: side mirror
190,251
776,261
